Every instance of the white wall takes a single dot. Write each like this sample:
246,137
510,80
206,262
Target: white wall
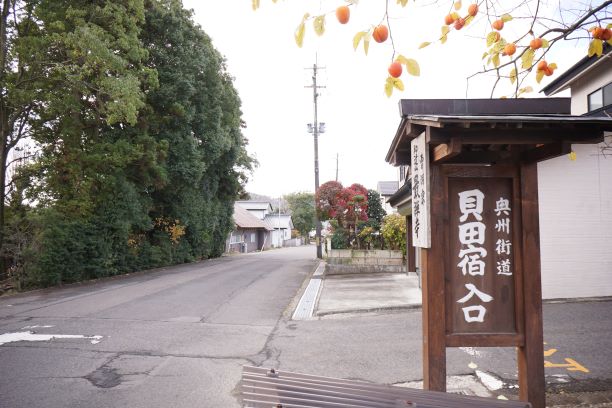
576,211
576,224
596,78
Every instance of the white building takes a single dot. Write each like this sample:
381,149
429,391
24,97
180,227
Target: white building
576,195
281,228
281,225
386,189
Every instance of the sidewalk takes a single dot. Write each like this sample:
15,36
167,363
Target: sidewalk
368,293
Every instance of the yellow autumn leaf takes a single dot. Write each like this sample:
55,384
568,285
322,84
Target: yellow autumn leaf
595,48
300,31
412,66
255,4
357,39
499,46
366,42
552,66
572,155
526,89
495,60
545,43
398,84
444,31
506,17
492,38
389,87
319,24
424,44
299,34
539,75
402,2
484,55
513,76
458,5
468,20
527,59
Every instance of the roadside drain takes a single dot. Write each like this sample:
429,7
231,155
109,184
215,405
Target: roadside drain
306,305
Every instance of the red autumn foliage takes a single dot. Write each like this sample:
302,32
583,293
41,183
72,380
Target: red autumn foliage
342,204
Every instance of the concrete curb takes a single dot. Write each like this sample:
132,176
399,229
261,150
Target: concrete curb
369,310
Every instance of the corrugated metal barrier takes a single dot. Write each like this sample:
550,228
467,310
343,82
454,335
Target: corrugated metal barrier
263,388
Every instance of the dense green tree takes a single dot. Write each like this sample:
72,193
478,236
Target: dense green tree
196,112
140,152
376,212
302,211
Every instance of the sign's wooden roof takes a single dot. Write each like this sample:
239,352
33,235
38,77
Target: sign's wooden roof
469,126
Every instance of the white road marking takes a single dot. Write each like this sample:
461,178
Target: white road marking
489,381
35,327
31,336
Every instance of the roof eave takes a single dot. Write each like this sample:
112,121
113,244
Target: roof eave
576,71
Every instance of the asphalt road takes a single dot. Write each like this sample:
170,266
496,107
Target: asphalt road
178,337
175,337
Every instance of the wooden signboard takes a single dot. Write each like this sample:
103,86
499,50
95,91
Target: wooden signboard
421,232
481,288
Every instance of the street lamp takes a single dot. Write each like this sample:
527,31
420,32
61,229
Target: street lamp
316,129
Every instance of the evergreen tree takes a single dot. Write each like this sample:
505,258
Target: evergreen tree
302,212
376,212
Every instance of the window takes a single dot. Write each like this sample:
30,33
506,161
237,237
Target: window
253,236
600,98
596,100
402,173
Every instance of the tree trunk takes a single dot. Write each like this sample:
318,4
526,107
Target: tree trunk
5,132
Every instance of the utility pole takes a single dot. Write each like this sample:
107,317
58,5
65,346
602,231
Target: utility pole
316,131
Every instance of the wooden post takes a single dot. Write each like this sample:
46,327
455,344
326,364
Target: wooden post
432,272
531,356
410,251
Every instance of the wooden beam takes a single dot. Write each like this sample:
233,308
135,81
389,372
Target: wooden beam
432,272
436,136
410,250
447,151
482,157
400,157
482,340
530,357
547,151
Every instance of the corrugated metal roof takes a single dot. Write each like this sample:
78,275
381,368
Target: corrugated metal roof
244,219
386,188
255,205
272,220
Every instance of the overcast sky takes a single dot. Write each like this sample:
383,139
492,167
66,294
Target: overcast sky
271,72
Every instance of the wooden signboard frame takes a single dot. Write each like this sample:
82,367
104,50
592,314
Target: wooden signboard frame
484,140
436,264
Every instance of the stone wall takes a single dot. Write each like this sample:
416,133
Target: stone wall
345,261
